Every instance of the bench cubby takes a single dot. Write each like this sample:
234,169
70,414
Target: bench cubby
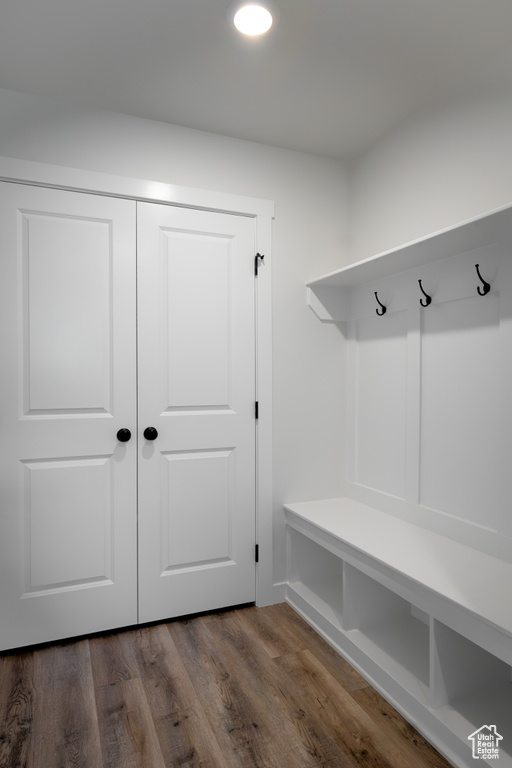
472,687
317,576
384,626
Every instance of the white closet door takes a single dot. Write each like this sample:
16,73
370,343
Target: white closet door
67,351
196,390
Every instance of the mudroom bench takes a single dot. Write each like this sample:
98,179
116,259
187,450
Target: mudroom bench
425,619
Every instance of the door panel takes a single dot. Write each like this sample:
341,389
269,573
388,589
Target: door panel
198,487
67,486
196,387
66,265
196,270
72,498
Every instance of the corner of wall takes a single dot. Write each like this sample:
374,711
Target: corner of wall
442,167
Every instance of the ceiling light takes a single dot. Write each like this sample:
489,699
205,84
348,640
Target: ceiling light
252,18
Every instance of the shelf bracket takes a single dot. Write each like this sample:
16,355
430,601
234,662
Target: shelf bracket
329,304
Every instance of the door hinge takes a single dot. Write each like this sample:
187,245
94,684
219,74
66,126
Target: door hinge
257,260
256,410
257,553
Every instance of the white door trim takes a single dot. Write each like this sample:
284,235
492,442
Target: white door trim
79,180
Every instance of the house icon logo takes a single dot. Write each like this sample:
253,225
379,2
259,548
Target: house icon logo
486,743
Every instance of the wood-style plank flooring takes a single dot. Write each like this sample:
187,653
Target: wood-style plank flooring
248,688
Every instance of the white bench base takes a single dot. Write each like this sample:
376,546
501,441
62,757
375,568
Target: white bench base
426,620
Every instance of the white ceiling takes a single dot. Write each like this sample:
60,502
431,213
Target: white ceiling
331,78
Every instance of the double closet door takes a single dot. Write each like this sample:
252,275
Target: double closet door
127,430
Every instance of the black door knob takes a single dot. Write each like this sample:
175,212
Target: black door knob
150,433
124,435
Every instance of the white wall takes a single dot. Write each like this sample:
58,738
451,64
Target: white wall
309,238
440,169
437,170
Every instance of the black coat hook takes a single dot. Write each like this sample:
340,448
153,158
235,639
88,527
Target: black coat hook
485,286
383,308
427,300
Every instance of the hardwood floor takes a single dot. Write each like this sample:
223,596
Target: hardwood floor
249,688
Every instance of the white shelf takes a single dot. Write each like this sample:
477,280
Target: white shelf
319,604
472,687
401,648
485,230
486,706
336,296
317,576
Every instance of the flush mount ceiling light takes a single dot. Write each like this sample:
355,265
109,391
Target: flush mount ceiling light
253,20
252,17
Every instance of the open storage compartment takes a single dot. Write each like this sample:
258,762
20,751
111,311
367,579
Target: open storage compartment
316,575
390,630
472,688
